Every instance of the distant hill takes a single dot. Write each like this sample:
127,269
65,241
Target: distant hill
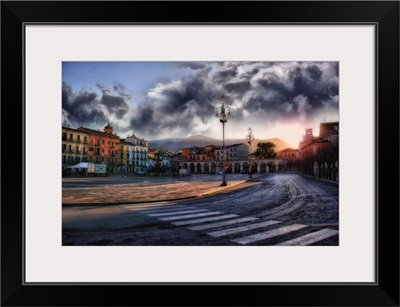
175,144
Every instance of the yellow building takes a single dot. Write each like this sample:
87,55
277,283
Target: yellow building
73,146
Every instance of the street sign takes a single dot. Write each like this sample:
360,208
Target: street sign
226,164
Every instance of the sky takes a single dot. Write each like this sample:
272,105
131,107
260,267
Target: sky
156,100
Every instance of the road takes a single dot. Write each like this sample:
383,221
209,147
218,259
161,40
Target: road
273,209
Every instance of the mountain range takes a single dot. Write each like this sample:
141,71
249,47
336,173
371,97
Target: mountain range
176,144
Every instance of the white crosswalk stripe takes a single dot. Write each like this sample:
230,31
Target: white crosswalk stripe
182,217
311,237
269,234
230,231
177,212
208,219
225,223
200,219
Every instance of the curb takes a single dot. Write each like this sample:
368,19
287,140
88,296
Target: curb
124,202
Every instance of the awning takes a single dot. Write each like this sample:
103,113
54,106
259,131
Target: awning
80,165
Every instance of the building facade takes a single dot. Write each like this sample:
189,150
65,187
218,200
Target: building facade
74,146
288,153
103,147
232,152
320,155
138,153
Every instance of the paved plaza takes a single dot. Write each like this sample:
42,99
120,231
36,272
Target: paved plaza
121,189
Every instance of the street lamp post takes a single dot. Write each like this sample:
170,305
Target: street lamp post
221,113
249,138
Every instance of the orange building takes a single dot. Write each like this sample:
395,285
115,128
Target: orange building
102,146
186,152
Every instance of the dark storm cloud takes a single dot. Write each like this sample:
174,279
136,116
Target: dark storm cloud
193,65
237,87
122,91
285,91
86,107
225,74
250,74
176,105
315,72
104,89
80,107
116,105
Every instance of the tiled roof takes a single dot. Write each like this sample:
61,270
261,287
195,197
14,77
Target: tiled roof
99,133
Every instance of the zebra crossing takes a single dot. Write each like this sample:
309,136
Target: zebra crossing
242,230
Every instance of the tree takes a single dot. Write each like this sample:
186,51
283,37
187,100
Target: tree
265,150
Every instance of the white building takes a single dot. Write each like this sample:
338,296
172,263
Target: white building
137,152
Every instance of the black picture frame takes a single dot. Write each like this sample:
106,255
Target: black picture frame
383,14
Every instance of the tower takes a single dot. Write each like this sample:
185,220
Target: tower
108,129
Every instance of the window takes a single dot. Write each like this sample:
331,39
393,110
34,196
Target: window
71,136
79,138
112,160
90,158
116,160
108,159
97,159
97,142
63,147
103,142
64,135
112,144
102,150
108,143
84,139
102,159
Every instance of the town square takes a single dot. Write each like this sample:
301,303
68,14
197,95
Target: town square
214,153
